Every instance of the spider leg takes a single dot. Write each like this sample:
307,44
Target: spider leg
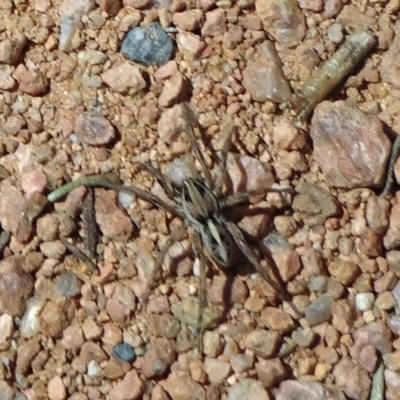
199,253
244,197
174,237
150,197
240,240
196,149
222,164
162,179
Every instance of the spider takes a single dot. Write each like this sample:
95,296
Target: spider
200,203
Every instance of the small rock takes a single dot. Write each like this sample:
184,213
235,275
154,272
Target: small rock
302,389
188,312
276,319
217,370
388,73
247,389
113,222
124,78
212,344
315,204
124,352
215,23
242,362
16,286
392,381
55,249
364,301
190,45
66,285
30,325
264,343
237,290
25,353
174,91
377,213
392,238
111,7
341,131
343,316
319,310
92,128
164,325
377,334
7,82
157,360
344,271
131,387
287,136
270,372
148,45
33,182
33,82
181,386
53,319
11,49
115,369
72,337
172,122
6,392
56,389
6,329
188,20
303,337
283,20
264,81
354,380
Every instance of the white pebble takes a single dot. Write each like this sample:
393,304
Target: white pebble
364,301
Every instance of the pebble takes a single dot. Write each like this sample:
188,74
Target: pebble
131,387
283,20
180,385
11,49
124,78
388,73
247,389
241,362
213,344
113,222
16,286
264,81
377,214
92,128
164,325
335,33
175,90
377,334
354,380
7,82
341,131
217,370
124,352
276,319
33,82
56,389
26,352
303,337
157,360
33,182
188,20
6,330
342,316
214,24
30,322
344,271
188,312
364,301
190,45
392,238
66,285
270,372
392,381
53,319
237,290
305,389
54,249
6,392
148,45
71,13
319,310
262,342
72,337
314,204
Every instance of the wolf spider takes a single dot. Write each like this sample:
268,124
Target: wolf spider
200,202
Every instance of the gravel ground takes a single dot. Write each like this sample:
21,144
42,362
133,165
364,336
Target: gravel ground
71,105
